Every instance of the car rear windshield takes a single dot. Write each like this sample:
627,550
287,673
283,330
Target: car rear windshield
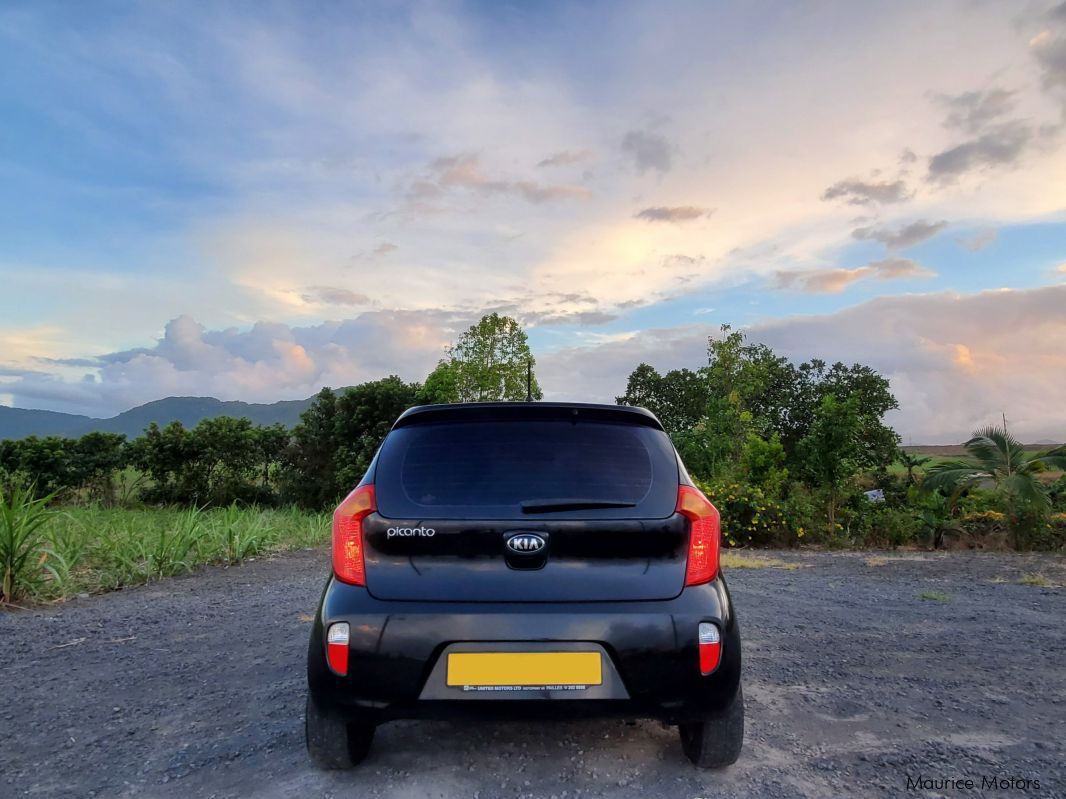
525,469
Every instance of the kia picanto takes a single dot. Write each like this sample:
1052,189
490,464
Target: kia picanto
525,560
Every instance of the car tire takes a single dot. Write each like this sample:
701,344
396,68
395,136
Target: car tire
715,742
334,743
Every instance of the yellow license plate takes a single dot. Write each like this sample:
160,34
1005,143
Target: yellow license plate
525,668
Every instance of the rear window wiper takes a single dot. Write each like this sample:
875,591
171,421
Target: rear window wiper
549,505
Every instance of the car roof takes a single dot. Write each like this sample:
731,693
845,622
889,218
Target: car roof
521,411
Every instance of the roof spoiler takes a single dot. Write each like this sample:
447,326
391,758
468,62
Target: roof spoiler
520,411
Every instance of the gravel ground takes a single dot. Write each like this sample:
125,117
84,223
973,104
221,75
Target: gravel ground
854,683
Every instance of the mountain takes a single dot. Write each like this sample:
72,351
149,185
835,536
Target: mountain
21,422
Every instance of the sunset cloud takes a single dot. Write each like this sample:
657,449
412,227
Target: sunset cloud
954,361
465,172
678,213
900,238
833,281
862,192
565,158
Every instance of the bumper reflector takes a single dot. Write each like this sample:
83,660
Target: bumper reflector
710,647
337,648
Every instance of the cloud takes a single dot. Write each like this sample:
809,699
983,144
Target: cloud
680,259
332,295
903,237
677,213
861,192
464,172
583,318
973,111
954,361
385,248
835,280
565,158
648,151
268,362
979,240
1002,146
1050,54
271,360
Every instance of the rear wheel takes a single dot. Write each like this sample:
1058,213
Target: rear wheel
716,741
333,743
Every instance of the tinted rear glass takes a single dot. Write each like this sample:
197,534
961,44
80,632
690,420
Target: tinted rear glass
485,470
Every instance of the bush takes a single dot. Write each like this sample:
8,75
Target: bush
1057,531
979,500
984,522
749,516
1037,530
893,527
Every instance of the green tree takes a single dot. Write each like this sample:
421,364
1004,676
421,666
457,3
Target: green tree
270,442
48,463
488,363
678,398
762,463
364,416
161,454
97,456
309,476
998,459
743,390
910,463
225,461
831,451
337,437
441,386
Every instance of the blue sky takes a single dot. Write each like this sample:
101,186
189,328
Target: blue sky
252,200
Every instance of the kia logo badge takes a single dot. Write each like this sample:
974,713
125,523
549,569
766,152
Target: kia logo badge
525,543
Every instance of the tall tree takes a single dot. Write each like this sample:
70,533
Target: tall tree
831,451
488,363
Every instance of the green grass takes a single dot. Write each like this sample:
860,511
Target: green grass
933,596
734,560
1035,579
897,469
90,550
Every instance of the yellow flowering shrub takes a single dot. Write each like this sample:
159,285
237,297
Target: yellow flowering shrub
749,517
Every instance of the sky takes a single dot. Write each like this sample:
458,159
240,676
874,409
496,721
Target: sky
253,200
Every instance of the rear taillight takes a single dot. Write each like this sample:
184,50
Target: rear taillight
710,647
337,647
348,518
703,537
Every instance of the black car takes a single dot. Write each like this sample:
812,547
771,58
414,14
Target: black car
525,559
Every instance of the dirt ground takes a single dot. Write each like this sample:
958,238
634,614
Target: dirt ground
862,671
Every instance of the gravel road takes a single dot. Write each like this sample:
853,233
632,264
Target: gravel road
195,687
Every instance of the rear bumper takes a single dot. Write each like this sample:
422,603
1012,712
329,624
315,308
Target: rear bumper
395,646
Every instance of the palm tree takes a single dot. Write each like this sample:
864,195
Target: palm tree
912,462
998,458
